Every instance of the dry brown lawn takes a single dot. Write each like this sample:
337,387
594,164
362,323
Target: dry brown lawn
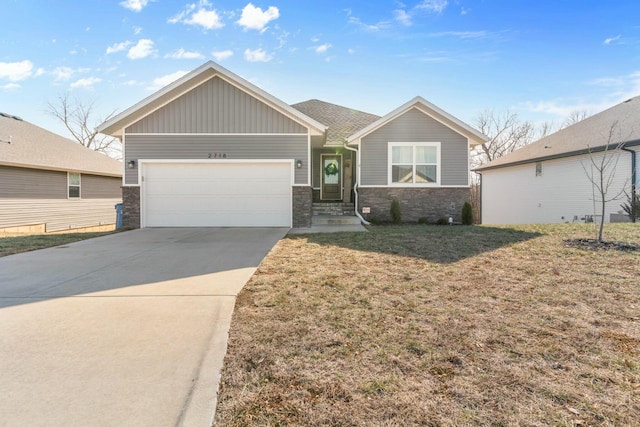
438,326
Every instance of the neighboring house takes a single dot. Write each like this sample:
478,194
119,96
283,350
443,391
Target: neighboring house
546,182
212,149
49,183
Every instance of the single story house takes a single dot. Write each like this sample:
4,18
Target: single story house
548,180
212,149
49,183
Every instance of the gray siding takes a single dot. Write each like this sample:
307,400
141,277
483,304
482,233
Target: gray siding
200,146
216,107
57,215
100,187
23,183
414,126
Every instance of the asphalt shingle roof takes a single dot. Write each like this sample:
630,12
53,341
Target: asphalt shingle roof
341,122
592,132
35,147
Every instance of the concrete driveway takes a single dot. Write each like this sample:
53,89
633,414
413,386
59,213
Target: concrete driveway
123,330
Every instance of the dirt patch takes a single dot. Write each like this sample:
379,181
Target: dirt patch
594,245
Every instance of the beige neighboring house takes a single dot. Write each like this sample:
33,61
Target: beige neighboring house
545,182
49,183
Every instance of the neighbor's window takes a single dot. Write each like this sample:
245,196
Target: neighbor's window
414,163
74,185
539,169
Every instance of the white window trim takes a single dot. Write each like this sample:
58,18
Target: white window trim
413,144
79,185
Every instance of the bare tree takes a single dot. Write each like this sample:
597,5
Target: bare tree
601,172
506,133
574,117
77,116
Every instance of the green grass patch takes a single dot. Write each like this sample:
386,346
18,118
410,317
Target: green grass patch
16,244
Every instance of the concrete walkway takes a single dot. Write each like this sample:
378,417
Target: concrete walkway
124,330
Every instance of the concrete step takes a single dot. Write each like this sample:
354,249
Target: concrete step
334,220
333,208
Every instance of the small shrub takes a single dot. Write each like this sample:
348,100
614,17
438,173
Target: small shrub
467,214
373,220
442,221
396,216
423,220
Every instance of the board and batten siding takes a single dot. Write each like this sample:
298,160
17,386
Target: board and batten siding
515,195
414,126
258,147
216,107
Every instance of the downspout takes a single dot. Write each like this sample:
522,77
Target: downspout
355,186
633,182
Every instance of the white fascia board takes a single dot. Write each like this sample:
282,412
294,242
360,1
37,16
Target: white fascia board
228,77
429,109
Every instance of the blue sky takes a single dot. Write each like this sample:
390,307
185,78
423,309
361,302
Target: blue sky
542,59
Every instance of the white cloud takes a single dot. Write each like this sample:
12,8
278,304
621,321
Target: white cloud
351,51
142,49
16,71
137,30
322,48
461,34
184,54
65,73
437,6
134,5
11,86
257,55
612,39
354,20
130,83
222,54
118,47
40,71
198,15
403,17
160,82
254,18
87,83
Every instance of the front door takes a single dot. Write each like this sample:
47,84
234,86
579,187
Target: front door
331,177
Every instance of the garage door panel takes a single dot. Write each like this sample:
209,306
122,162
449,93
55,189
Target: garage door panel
218,194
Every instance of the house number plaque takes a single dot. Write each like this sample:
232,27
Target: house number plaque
217,155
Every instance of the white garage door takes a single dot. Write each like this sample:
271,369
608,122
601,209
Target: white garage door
216,194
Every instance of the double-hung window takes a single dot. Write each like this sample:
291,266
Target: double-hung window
415,163
74,185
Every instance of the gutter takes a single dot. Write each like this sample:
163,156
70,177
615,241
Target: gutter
633,182
355,186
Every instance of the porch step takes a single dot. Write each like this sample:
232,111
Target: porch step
334,220
335,209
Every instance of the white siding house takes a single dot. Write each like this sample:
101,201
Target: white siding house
548,182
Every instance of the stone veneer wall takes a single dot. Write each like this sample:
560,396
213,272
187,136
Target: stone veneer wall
415,203
131,207
302,206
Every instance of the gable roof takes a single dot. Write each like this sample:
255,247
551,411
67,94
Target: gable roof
341,122
592,132
34,147
189,81
474,136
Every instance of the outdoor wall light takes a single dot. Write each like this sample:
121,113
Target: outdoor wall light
299,164
131,164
